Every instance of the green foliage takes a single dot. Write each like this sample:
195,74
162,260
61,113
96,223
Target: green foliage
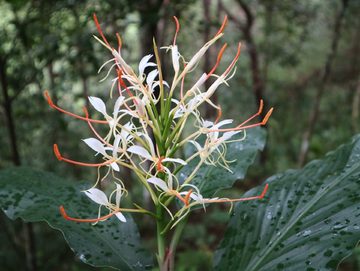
36,196
309,218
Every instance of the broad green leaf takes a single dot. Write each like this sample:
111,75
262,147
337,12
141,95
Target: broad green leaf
37,196
241,153
308,220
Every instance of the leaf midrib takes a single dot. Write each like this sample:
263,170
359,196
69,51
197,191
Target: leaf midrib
350,171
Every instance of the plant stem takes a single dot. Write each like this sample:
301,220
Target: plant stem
175,240
160,237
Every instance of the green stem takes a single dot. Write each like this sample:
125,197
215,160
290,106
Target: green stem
175,240
160,237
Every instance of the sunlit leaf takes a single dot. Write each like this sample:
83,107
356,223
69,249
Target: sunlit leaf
309,219
37,196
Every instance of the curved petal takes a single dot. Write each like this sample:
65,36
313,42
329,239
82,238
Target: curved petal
144,62
117,106
160,183
97,195
140,151
151,77
121,217
151,144
96,145
98,104
116,145
118,194
115,166
175,160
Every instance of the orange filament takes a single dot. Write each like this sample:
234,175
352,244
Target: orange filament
218,60
178,195
187,197
122,82
98,27
57,153
86,220
71,114
222,27
119,40
235,59
241,127
177,29
219,115
160,167
250,198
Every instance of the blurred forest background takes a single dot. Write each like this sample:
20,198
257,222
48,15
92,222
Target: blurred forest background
300,57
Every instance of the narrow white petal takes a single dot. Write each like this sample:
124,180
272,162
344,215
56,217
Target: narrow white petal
160,183
199,82
151,76
97,195
196,144
117,106
96,145
98,104
118,194
175,160
151,144
115,166
193,186
221,123
140,151
175,58
144,63
116,145
121,217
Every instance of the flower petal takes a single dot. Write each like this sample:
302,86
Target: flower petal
160,183
98,104
144,62
97,195
115,166
118,194
121,217
175,160
140,151
96,145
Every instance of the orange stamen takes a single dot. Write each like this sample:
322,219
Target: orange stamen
71,114
160,167
241,127
86,220
218,60
57,153
222,27
219,115
250,198
187,197
98,27
177,29
119,71
178,195
235,59
119,40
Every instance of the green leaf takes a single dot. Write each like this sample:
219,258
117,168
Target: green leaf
209,178
308,220
37,196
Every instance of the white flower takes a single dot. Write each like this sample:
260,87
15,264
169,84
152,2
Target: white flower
99,197
99,105
141,151
98,146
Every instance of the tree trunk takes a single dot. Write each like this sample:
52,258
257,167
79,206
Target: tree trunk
327,69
